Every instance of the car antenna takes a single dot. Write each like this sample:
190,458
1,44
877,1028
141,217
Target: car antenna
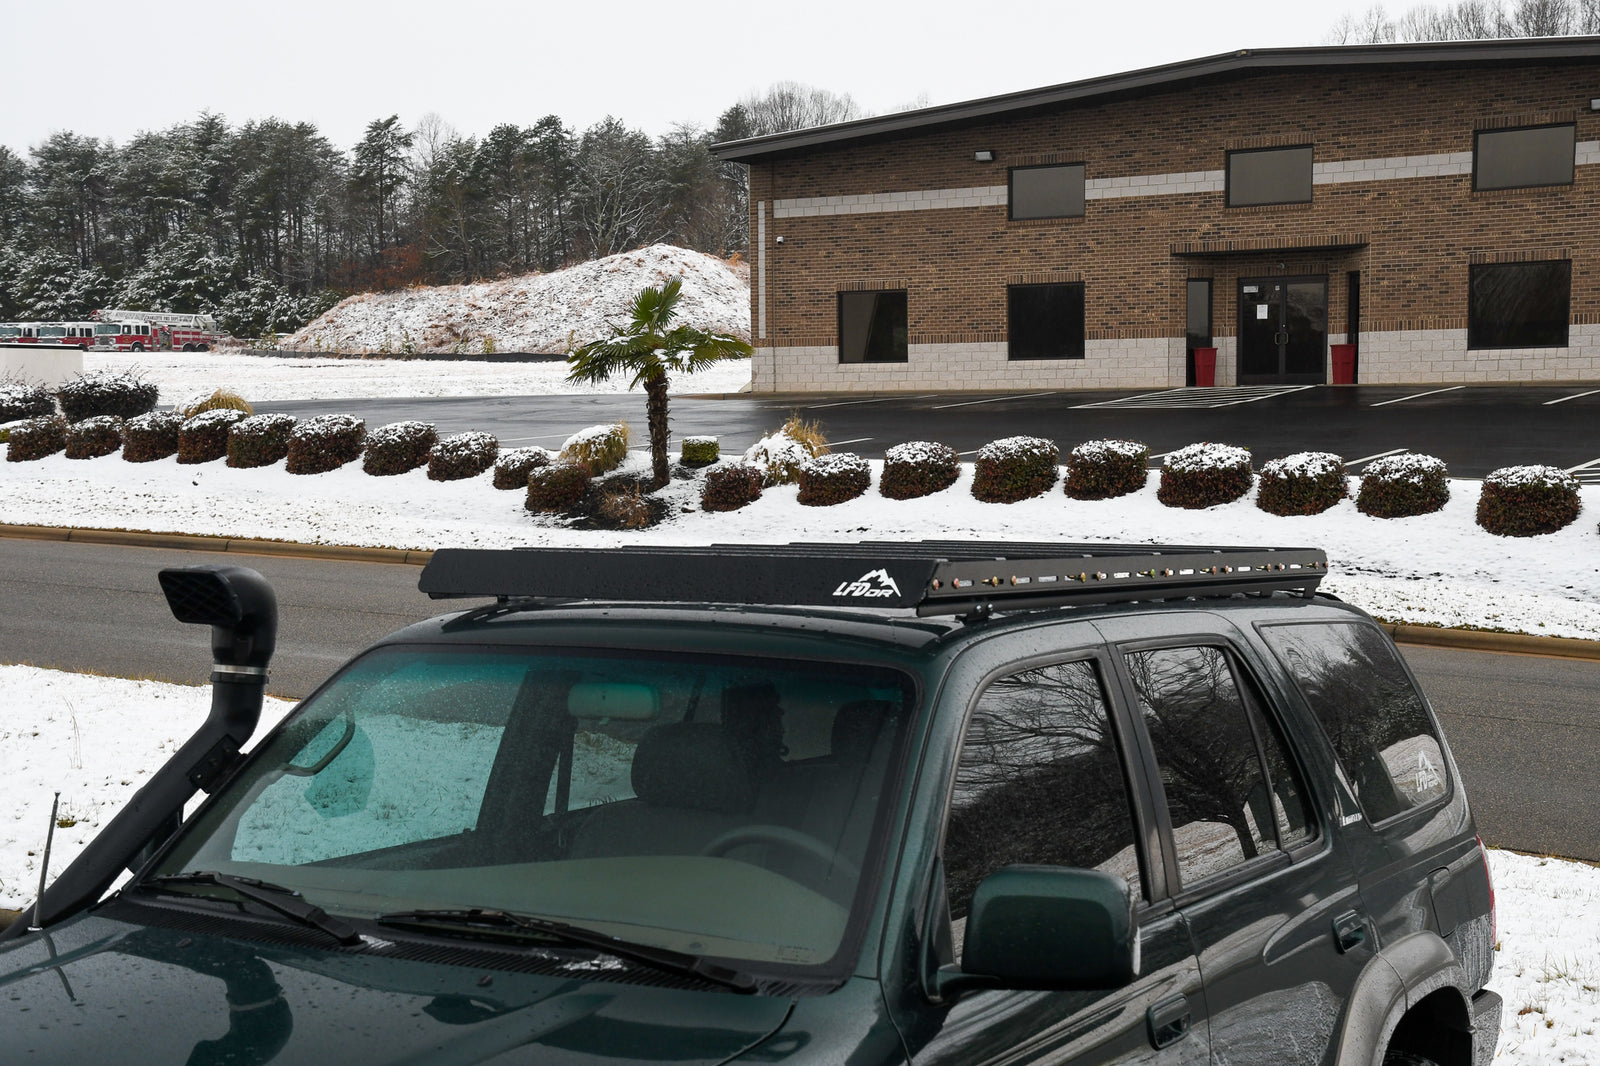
44,865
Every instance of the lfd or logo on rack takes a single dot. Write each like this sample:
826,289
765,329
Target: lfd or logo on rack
872,583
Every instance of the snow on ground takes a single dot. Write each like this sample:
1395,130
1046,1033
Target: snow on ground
96,739
536,312
1438,569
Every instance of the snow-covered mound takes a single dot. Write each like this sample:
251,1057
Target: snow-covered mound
533,313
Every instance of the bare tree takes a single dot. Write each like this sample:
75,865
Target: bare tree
1470,20
789,105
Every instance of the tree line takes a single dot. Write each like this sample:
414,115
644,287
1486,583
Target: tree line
1468,20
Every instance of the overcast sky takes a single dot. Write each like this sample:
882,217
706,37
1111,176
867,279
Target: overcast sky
110,68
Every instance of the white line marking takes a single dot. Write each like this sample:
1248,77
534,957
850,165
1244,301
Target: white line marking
1583,466
1369,458
547,436
846,403
992,399
853,440
1158,455
1266,396
1417,396
1574,396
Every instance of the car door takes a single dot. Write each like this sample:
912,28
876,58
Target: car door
1042,776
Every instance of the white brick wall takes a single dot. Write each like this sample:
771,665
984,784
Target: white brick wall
1155,363
1427,357
1444,164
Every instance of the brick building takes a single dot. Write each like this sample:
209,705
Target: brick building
1437,206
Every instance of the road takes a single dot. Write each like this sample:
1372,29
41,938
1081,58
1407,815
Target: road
1524,729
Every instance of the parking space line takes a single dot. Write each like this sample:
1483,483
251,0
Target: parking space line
1369,458
1574,396
1590,465
1267,396
547,436
853,440
847,403
1417,396
992,399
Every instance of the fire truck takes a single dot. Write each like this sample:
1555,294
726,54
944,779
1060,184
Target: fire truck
78,335
150,331
19,332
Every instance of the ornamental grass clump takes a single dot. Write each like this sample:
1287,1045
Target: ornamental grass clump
106,392
463,455
1104,469
398,447
557,487
1204,475
600,448
325,442
1403,486
94,437
699,451
918,468
512,468
260,440
730,487
221,398
830,479
204,437
1301,484
36,438
623,507
21,399
778,456
150,437
1015,468
1526,501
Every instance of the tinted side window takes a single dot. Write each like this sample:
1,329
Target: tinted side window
1039,782
1356,685
1537,155
1047,192
1269,176
1231,792
872,327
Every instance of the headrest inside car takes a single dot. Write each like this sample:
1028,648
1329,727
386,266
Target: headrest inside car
692,765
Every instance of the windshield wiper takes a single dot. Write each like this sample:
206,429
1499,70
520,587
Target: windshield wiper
286,901
505,923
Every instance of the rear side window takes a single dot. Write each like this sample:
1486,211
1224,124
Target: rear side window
1354,682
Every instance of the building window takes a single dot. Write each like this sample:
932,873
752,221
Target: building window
872,327
1517,159
1045,321
1519,305
1047,192
1269,176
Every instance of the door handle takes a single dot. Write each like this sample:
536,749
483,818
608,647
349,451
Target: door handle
1169,1021
1349,931
1281,337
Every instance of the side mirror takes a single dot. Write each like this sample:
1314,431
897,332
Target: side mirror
1047,927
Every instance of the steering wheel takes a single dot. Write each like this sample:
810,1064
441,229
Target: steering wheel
783,836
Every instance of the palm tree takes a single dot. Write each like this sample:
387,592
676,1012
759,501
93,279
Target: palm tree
649,349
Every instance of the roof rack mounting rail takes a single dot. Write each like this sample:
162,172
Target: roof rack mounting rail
930,577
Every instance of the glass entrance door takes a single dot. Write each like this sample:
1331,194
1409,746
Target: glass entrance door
1283,331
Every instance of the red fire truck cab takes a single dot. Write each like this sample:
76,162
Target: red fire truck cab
78,335
152,331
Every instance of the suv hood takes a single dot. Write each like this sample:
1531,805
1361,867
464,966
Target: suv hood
164,996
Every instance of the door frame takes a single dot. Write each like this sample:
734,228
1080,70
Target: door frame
1282,377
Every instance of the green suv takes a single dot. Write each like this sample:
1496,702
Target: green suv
867,803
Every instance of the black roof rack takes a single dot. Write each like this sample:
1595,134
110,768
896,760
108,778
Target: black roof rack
932,577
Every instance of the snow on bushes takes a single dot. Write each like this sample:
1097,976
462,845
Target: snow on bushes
94,437
830,479
1204,475
36,438
204,437
1302,483
778,456
1526,501
150,437
700,451
106,392
918,468
325,442
1402,486
557,487
260,440
466,455
20,399
1015,468
730,487
512,468
600,448
398,447
1103,469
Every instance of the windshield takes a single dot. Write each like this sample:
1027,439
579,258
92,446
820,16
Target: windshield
713,807
52,331
107,329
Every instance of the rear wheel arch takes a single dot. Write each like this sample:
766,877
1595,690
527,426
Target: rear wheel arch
1410,998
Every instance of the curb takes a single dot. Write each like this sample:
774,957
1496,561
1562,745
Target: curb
1418,636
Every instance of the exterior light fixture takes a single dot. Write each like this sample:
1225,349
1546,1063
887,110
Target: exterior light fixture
777,240
983,155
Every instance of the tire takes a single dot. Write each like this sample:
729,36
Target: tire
188,347
137,347
202,347
1407,1058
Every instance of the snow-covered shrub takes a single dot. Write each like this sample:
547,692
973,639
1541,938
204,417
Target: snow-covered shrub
1103,469
1204,475
463,455
600,448
700,451
730,487
21,399
398,447
830,479
1015,468
325,442
1401,486
1525,501
918,468
106,392
778,456
150,437
260,440
1302,483
205,436
512,468
94,437
221,398
557,487
36,438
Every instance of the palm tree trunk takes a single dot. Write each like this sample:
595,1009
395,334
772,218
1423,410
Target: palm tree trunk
655,405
